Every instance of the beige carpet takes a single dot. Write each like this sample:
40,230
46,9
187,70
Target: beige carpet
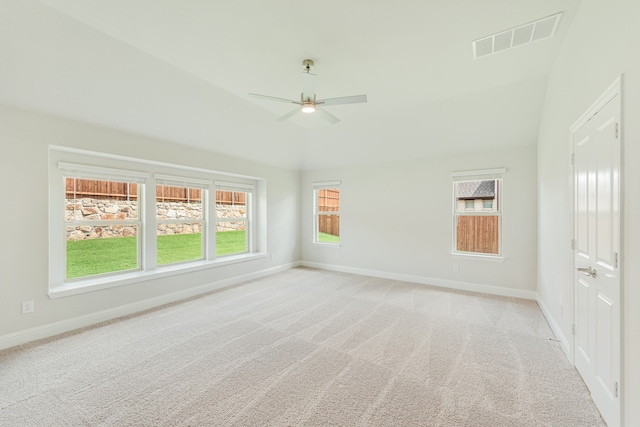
304,348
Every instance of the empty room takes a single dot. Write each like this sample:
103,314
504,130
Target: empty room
301,213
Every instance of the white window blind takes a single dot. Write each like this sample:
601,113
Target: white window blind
327,185
478,175
234,186
72,170
178,181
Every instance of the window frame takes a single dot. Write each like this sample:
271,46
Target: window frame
250,191
316,187
89,172
185,182
149,172
479,175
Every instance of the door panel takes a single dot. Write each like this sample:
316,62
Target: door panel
604,345
582,315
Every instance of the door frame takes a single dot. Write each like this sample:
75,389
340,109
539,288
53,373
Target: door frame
614,89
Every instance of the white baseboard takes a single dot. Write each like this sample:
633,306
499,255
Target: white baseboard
444,283
56,328
564,343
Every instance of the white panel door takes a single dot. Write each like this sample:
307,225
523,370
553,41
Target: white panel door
596,151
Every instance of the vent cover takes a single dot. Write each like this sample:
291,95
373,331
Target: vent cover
517,36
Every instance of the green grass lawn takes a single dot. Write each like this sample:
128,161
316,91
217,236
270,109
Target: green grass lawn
97,256
328,238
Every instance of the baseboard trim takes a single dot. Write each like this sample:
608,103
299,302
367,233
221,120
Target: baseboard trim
60,327
557,331
444,283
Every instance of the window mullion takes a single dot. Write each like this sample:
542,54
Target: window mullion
149,245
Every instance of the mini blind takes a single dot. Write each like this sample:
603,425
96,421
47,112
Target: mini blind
478,175
234,186
326,185
178,181
72,170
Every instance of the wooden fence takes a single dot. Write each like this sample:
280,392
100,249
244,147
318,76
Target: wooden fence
329,201
477,234
129,191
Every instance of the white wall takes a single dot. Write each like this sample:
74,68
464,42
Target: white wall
24,138
396,221
602,44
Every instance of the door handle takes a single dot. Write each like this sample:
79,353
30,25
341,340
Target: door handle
588,271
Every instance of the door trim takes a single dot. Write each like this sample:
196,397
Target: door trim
613,90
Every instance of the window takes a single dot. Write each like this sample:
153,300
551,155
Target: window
477,231
128,220
180,219
233,204
101,221
326,207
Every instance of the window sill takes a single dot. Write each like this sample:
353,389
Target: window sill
477,257
112,281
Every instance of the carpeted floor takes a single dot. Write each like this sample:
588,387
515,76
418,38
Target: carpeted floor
304,348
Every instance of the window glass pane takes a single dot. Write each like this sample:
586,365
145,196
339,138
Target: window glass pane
178,202
231,237
467,191
231,204
101,249
328,200
478,234
232,219
94,200
101,226
475,232
328,229
179,242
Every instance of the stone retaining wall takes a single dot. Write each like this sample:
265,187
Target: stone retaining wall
88,209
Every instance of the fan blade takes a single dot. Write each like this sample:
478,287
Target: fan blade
343,100
327,116
288,115
308,86
273,98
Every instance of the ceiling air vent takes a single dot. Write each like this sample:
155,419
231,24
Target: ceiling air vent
517,36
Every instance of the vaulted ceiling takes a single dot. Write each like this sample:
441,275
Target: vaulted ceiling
182,71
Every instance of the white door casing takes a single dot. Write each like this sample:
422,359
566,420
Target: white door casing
596,227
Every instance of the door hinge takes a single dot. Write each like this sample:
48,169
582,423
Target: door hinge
617,130
573,329
615,389
615,259
573,159
573,243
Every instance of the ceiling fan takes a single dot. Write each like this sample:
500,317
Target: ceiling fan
308,102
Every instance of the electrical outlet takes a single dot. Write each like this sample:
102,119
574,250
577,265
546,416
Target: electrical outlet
456,267
273,256
28,307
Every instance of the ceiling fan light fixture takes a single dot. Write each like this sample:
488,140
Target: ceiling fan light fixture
308,107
